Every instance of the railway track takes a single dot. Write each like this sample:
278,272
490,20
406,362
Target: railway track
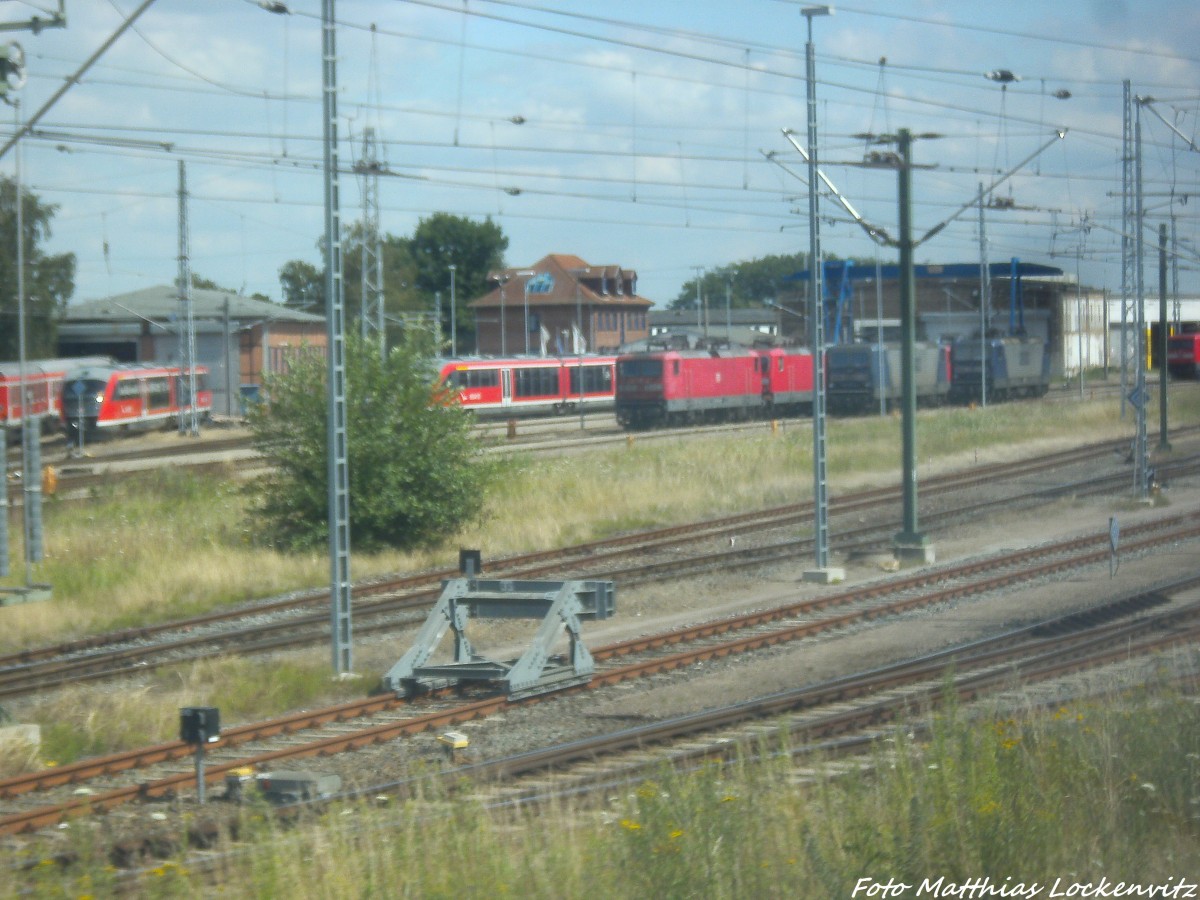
373,720
844,714
394,603
831,727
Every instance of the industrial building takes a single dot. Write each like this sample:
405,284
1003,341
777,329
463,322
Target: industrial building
238,338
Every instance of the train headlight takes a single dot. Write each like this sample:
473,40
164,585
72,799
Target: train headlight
100,397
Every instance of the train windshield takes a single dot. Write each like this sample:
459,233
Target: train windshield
91,388
639,368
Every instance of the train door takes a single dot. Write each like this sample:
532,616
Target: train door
506,387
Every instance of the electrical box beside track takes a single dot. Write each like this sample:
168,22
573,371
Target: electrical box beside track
560,605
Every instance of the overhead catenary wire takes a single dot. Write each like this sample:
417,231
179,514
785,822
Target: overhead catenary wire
696,188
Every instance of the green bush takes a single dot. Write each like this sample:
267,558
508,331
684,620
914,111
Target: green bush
416,473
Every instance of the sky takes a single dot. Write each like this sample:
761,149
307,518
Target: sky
651,136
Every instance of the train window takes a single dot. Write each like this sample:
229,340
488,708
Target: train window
596,379
128,389
536,382
159,392
473,378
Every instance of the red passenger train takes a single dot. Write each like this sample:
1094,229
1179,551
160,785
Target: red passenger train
109,397
43,380
682,386
1183,355
532,385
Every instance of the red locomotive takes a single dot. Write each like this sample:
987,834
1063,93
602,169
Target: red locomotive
681,386
1183,355
104,397
531,386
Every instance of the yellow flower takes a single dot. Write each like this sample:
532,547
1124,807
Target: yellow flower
630,825
677,833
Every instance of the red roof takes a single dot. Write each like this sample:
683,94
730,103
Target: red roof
563,278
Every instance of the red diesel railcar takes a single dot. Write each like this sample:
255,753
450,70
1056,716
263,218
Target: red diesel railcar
43,379
533,386
110,397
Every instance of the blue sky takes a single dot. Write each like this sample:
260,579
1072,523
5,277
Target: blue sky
627,133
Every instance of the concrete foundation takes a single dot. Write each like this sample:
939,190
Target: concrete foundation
828,575
11,596
913,552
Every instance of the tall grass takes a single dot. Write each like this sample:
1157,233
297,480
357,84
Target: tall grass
174,544
1101,789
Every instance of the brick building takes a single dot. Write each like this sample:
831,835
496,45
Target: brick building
559,305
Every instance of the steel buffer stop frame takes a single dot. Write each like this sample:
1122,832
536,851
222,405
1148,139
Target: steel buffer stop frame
560,605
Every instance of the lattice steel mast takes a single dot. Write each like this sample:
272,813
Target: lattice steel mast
188,421
371,313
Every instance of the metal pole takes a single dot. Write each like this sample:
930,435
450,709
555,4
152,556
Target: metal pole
880,352
526,315
1128,224
1140,481
453,317
227,341
728,311
816,278
22,391
1163,443
579,347
189,422
1079,319
910,537
199,761
338,471
985,301
30,434
503,324
4,500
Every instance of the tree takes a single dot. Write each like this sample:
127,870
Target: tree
415,270
753,282
303,286
49,280
473,248
417,473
